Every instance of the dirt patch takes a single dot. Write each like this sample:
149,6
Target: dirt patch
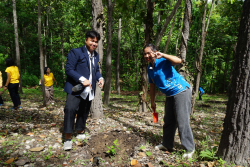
127,142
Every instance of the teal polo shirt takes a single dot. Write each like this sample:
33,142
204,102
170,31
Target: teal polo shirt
166,78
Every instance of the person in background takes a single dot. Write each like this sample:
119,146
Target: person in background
48,82
162,74
81,68
201,93
1,85
12,83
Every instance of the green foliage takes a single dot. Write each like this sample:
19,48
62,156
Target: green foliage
148,153
142,147
69,20
209,155
112,148
50,153
30,79
221,162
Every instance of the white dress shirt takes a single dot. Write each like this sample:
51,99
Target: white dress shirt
87,91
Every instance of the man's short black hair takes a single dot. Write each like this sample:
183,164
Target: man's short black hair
153,48
9,62
92,34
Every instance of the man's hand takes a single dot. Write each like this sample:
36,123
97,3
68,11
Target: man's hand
101,83
153,106
87,83
1,93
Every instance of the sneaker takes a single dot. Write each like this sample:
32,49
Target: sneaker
67,145
1,104
20,107
188,155
81,136
160,147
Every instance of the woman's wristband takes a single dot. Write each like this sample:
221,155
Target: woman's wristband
5,86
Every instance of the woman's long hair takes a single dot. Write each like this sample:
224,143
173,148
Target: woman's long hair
45,70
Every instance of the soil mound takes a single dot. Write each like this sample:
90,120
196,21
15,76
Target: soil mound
126,144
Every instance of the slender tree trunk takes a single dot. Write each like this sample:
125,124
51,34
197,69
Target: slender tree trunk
107,88
17,44
232,68
168,19
96,109
41,52
204,28
143,69
24,48
235,142
45,44
177,40
183,68
226,69
118,88
137,55
169,35
62,50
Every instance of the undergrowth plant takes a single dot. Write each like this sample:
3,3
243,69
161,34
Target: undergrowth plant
112,148
211,155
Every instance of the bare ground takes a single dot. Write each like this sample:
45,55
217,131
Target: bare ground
41,128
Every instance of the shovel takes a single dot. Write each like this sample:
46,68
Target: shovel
155,117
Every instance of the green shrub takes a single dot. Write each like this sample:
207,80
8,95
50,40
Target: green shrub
30,79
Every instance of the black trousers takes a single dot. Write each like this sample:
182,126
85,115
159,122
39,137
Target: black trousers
1,100
13,90
76,105
200,98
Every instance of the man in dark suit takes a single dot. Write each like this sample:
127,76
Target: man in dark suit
82,67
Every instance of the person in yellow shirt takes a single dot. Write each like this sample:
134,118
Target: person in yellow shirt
12,83
1,85
48,82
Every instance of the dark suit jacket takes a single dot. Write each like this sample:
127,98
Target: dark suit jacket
78,65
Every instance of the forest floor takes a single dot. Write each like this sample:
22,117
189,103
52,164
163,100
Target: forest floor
33,136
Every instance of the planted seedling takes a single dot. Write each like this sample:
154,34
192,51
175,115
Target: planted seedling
112,148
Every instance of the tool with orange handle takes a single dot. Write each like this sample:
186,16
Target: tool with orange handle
155,117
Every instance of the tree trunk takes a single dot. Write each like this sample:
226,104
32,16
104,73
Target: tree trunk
226,69
183,68
17,44
107,88
118,88
137,55
169,35
178,35
204,28
62,50
143,69
168,19
45,41
234,145
41,52
96,109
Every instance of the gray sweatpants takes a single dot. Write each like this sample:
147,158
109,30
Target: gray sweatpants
177,114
